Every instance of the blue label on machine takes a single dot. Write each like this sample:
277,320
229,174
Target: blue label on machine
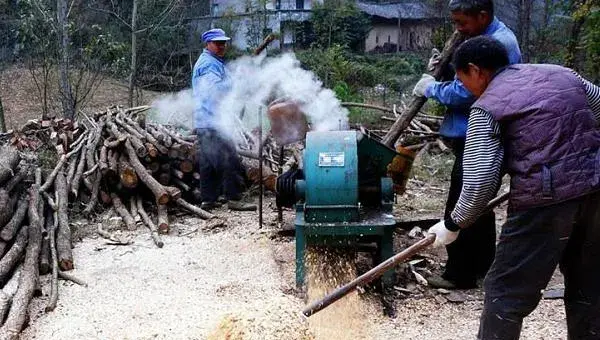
331,159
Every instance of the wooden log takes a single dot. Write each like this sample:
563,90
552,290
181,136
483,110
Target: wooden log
54,261
10,229
17,178
152,150
8,292
113,142
174,193
181,184
113,162
14,255
162,197
177,173
29,278
164,178
154,167
159,136
78,174
130,129
404,120
133,207
163,219
196,210
103,162
45,263
7,206
71,169
149,224
91,171
127,174
52,176
185,165
145,135
123,212
9,159
63,233
94,195
68,277
173,135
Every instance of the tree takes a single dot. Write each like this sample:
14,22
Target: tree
66,93
339,22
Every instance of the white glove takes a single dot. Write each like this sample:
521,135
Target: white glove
443,236
423,84
435,59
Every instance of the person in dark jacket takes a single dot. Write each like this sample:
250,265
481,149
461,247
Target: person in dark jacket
540,124
470,257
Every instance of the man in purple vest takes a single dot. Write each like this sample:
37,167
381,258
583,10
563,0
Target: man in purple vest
539,124
470,257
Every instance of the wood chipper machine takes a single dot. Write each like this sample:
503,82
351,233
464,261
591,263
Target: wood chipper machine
344,194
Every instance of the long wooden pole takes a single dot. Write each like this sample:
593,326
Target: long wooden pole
386,265
404,120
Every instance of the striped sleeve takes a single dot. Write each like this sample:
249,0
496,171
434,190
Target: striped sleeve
593,95
482,165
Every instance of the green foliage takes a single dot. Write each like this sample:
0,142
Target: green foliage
339,22
337,64
591,43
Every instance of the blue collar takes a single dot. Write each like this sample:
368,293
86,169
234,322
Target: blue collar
207,51
492,27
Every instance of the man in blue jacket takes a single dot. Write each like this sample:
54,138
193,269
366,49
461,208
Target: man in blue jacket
220,167
470,257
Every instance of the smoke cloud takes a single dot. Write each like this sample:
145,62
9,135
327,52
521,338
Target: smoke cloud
257,81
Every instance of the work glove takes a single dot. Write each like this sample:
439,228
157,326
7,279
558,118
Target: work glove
443,236
435,59
422,85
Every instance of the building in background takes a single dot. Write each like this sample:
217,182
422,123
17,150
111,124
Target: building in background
249,21
401,25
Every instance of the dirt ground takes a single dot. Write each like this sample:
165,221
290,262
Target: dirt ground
237,283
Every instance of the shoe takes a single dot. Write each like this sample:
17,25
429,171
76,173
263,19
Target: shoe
240,206
208,206
436,281
222,199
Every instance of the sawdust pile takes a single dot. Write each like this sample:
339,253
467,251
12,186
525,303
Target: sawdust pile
326,270
268,325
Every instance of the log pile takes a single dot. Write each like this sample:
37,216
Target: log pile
114,159
111,160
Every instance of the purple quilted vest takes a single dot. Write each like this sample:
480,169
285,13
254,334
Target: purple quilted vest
551,138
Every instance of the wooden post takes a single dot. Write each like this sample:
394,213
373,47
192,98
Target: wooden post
404,120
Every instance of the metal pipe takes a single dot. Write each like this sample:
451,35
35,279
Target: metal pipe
368,276
384,266
260,169
279,172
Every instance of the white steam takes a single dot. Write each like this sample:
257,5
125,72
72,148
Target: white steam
176,109
257,81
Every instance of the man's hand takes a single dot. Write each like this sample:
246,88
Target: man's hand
435,59
422,85
443,236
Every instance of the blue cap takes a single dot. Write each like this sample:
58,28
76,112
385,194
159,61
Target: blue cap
215,34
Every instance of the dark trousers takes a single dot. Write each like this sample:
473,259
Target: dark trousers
220,166
471,255
532,244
